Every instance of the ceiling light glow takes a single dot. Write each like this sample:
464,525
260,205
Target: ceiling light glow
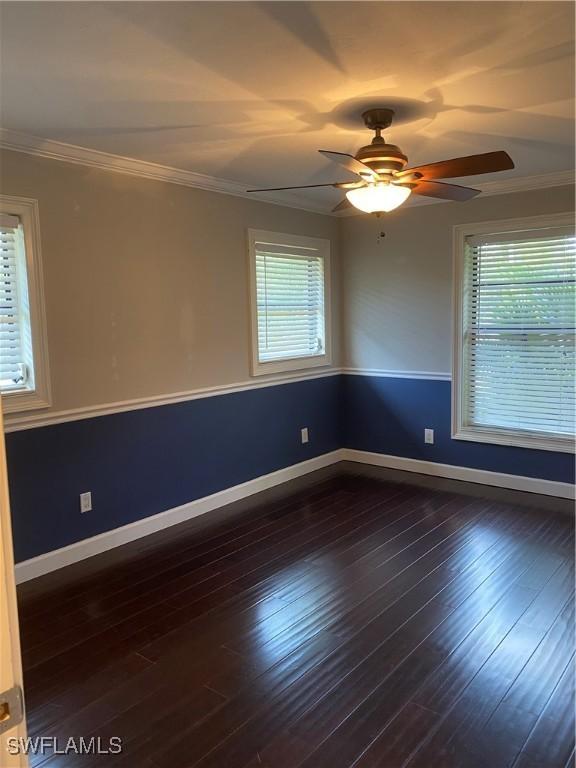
379,197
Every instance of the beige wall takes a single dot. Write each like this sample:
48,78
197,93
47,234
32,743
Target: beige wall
396,312
147,290
146,282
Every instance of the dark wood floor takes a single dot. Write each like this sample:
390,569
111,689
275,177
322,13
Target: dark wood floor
357,621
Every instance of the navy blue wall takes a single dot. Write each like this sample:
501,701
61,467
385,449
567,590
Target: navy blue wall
142,462
139,463
388,415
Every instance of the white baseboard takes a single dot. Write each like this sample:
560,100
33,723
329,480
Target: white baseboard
485,477
73,553
80,550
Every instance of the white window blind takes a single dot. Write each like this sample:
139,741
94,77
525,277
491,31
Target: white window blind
289,301
16,370
518,332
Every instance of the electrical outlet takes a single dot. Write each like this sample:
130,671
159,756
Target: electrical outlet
86,501
304,434
429,436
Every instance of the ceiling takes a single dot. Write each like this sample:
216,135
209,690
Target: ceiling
249,91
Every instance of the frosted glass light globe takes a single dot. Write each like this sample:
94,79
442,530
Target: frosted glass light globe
378,197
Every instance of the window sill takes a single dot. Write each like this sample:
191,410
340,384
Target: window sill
291,364
23,400
515,439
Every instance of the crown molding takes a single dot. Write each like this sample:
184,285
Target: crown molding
527,183
94,158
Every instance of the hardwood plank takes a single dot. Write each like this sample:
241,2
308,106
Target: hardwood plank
196,536
158,620
319,721
351,726
456,740
339,681
503,735
74,697
400,740
551,742
359,622
167,578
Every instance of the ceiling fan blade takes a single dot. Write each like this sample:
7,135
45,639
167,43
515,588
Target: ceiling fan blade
349,162
302,186
350,184
489,162
342,205
444,191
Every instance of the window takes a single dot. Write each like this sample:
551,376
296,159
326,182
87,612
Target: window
24,382
290,302
514,355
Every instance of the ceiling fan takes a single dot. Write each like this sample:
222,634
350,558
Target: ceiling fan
385,182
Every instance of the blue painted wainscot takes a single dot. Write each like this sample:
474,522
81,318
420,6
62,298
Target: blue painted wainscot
138,463
388,415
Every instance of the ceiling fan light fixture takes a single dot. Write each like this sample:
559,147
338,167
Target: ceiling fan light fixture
380,197
384,180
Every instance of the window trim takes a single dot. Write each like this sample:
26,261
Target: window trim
257,367
461,430
40,397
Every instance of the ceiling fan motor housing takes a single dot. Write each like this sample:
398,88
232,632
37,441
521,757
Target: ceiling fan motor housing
379,155
382,157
